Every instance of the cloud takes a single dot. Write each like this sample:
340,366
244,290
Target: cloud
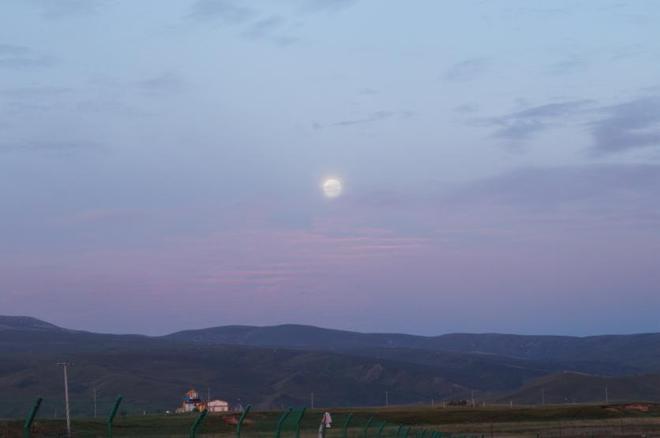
310,253
366,91
168,82
49,146
628,126
326,5
267,28
374,117
62,8
108,106
21,57
466,70
34,92
466,108
570,64
28,101
521,125
228,11
613,186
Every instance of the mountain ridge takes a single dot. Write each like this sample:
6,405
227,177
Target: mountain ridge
275,366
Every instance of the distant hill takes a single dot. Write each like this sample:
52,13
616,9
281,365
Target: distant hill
619,353
296,336
26,323
279,366
570,387
155,379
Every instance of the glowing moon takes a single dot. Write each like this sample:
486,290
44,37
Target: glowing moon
331,187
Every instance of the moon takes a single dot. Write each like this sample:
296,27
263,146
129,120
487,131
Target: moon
331,188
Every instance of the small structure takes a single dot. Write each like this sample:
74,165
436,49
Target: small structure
191,403
217,406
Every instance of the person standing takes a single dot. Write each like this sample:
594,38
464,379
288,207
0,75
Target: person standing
326,423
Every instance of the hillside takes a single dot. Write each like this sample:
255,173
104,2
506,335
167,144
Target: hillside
570,387
296,336
26,323
156,379
609,354
278,366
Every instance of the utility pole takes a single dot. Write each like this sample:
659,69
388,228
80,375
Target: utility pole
311,399
66,397
387,398
94,401
208,394
472,397
543,396
607,396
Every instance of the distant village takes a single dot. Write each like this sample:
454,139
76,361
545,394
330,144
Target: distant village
193,403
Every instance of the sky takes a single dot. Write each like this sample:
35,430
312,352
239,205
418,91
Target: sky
162,163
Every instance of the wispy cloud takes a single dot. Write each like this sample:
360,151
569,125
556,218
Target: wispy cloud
259,24
52,147
570,64
34,92
366,91
227,11
523,124
628,126
167,82
326,5
467,108
270,28
621,127
614,185
309,255
466,70
63,8
21,57
374,117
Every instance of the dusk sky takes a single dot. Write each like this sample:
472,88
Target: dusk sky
162,162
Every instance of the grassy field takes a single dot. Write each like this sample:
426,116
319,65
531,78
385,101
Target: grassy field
632,420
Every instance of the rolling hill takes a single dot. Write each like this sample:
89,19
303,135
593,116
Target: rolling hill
571,387
271,367
627,353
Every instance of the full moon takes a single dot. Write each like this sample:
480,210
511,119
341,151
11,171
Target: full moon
331,187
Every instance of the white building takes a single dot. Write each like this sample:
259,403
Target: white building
217,406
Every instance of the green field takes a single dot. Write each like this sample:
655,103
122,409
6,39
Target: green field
498,421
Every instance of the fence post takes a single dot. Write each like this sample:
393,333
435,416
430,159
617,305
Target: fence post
280,422
346,423
241,419
200,418
27,426
298,421
113,412
366,428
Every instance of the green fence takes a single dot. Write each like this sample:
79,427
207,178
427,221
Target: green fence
289,423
